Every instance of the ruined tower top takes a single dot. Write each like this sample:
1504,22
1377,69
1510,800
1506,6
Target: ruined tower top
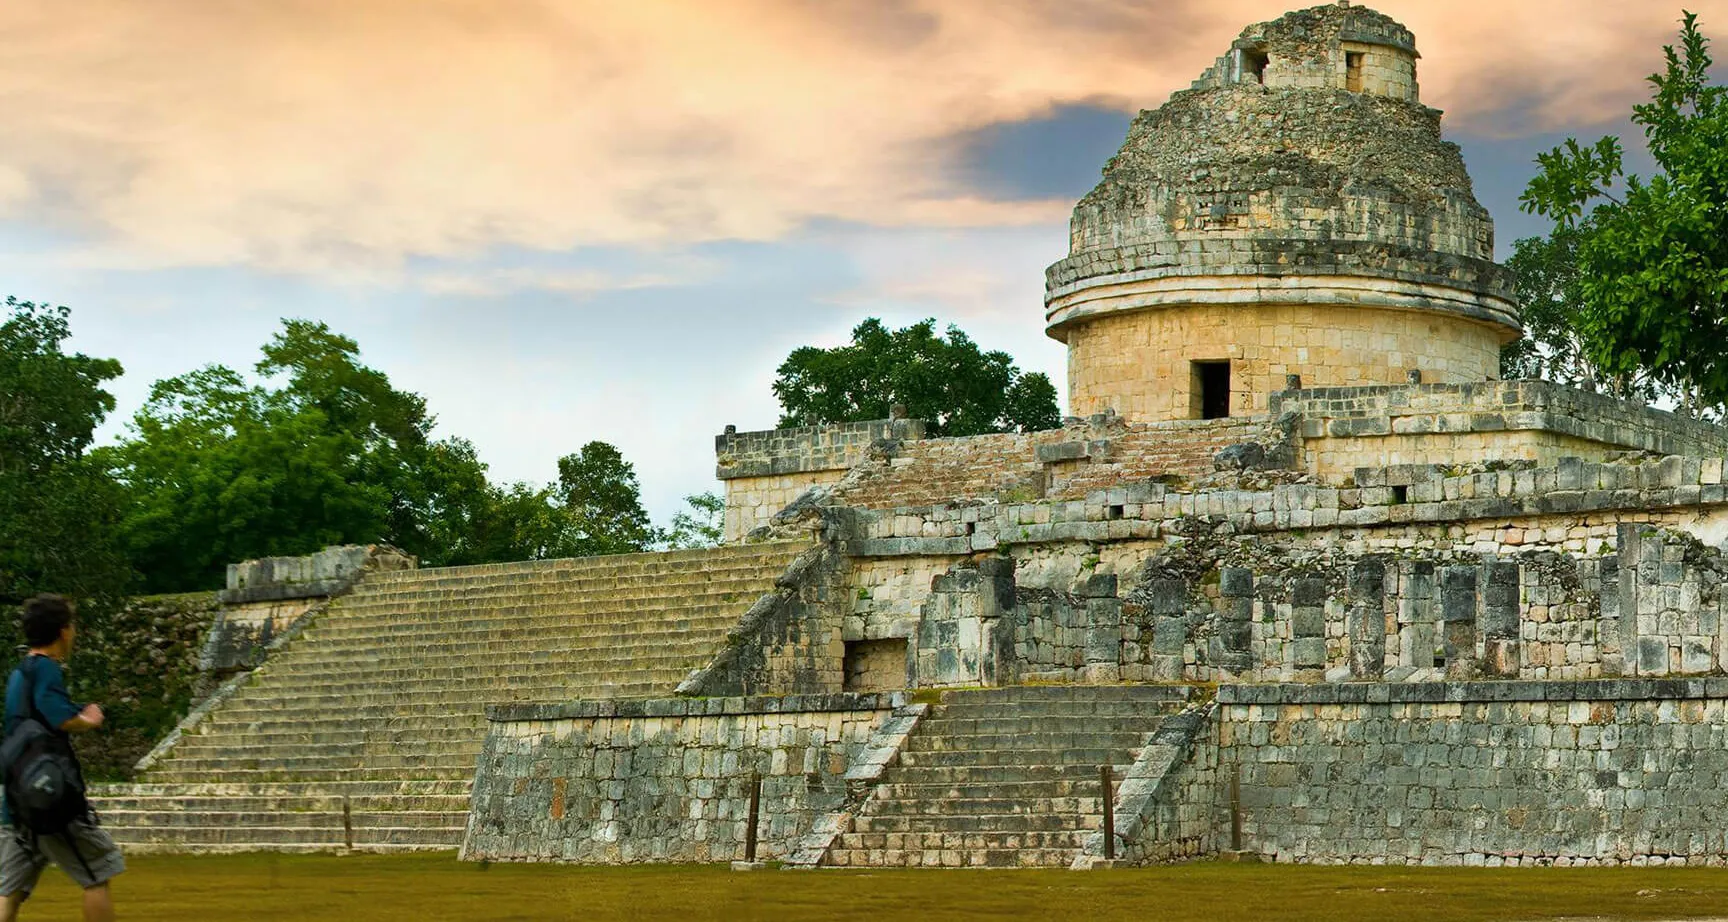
1339,47
1300,173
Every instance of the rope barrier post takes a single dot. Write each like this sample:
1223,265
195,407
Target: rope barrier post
1109,797
755,817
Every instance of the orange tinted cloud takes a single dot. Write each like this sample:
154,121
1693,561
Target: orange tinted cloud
317,134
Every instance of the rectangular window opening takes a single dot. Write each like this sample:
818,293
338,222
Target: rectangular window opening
1254,63
1211,390
1400,495
1353,71
1116,512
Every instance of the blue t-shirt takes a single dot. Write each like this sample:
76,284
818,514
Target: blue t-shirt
52,702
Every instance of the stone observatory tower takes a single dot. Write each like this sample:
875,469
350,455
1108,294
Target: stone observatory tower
1294,213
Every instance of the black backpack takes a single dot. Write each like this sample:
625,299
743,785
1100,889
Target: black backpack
44,785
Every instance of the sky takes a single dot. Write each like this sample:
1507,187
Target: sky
568,220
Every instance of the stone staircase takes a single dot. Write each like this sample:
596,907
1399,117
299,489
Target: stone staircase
364,732
1004,777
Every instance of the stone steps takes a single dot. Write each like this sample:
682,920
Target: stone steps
901,806
395,681
968,742
381,701
990,758
445,788
471,666
1003,777
285,819
325,773
275,838
994,823
443,803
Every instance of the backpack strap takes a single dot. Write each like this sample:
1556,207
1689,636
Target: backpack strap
28,667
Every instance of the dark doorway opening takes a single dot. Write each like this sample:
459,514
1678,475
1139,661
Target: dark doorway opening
1353,71
1254,64
1212,389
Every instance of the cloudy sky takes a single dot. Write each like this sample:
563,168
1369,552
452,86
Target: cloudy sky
565,220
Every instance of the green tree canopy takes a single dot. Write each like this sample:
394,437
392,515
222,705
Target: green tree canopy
701,523
323,451
57,508
944,379
602,499
1651,254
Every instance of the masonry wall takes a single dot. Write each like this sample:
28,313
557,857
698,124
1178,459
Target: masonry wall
1574,773
1139,363
664,780
1445,423
1067,463
765,470
752,501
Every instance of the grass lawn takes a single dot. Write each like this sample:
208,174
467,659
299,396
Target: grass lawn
437,888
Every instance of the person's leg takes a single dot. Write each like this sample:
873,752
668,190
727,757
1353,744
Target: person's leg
21,865
89,856
98,904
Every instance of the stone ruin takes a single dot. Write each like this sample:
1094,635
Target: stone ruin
1301,579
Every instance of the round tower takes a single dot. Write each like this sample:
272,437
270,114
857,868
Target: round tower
1294,213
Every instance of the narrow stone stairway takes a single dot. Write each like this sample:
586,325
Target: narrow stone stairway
1004,777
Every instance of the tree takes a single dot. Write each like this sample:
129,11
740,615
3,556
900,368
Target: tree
1652,260
57,507
702,524
219,471
946,380
323,451
600,497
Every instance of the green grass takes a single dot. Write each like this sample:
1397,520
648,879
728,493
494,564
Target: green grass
428,888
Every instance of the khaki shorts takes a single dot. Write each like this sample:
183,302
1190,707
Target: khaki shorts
23,855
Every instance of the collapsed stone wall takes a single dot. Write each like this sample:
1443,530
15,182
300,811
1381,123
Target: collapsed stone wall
1510,773
790,640
268,596
765,471
1056,464
664,780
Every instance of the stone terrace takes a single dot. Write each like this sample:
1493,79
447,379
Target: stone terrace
377,711
1061,463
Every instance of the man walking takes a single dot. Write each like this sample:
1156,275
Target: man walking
37,689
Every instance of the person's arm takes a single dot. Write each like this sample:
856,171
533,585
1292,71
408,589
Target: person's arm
88,719
55,704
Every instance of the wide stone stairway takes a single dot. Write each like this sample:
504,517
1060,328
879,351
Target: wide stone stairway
365,730
1004,777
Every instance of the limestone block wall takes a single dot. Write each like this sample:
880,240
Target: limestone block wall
965,632
888,594
1442,423
314,575
268,596
1307,49
1087,454
752,501
621,782
790,640
1502,570
764,471
1413,618
1623,772
1140,363
1481,507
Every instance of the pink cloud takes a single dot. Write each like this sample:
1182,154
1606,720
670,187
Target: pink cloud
325,134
